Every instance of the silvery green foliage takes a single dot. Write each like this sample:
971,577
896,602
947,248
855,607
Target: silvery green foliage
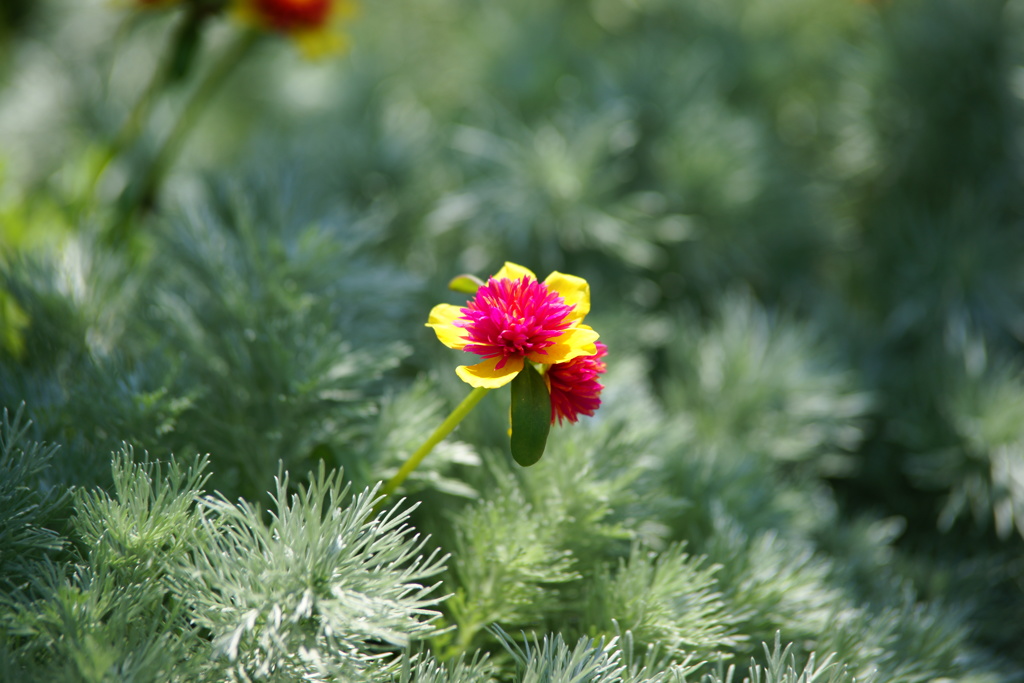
781,581
504,560
554,179
111,614
758,563
551,660
27,502
932,638
982,470
426,669
83,302
781,666
91,625
174,586
763,409
318,577
669,599
768,386
148,523
257,309
852,162
267,331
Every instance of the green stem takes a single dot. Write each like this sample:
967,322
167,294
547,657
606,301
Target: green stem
144,191
182,42
443,430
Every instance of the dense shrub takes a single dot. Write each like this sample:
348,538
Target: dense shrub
800,220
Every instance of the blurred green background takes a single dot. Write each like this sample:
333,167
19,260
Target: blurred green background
801,221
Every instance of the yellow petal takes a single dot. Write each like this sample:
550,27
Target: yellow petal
484,375
575,291
441,319
344,9
319,42
513,271
573,343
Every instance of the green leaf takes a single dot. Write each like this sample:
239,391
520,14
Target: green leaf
531,416
467,284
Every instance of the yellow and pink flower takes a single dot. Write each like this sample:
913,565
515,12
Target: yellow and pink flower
514,319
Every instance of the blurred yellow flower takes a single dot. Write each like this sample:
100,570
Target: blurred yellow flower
314,25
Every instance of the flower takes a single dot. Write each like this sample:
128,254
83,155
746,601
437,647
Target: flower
514,318
574,387
315,25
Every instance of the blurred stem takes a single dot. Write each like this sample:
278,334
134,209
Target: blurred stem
143,192
176,63
443,430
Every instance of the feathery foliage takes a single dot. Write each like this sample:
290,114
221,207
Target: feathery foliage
800,221
317,581
28,504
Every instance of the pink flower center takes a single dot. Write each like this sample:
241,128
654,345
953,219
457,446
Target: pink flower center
513,319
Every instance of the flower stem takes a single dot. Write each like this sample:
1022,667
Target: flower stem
442,431
175,64
143,192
